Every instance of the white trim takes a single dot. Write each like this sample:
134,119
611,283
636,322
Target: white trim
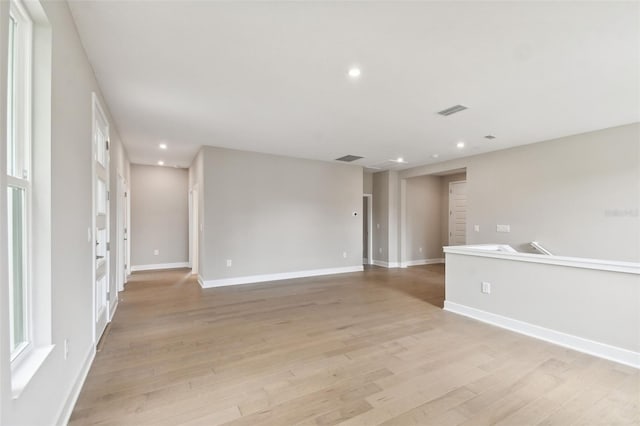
602,350
385,264
113,307
494,251
158,266
67,408
22,373
250,279
421,262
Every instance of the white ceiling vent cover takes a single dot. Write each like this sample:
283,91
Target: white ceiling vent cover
452,110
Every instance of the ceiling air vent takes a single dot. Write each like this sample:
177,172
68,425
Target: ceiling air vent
489,137
452,110
349,158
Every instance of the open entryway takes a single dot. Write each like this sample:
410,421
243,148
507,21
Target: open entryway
194,229
101,261
367,223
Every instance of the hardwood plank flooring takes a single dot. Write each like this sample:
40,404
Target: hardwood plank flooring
371,348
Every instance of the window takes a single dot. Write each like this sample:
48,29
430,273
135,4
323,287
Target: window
19,181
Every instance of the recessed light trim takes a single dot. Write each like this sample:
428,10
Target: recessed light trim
460,145
399,160
160,163
355,72
435,155
162,146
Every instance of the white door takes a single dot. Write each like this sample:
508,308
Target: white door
100,244
457,213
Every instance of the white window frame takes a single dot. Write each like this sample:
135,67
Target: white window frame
22,114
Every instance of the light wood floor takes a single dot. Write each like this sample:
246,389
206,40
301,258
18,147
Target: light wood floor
354,349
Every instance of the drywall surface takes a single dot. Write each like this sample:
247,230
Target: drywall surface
47,398
159,215
424,218
381,216
578,195
269,214
601,306
367,183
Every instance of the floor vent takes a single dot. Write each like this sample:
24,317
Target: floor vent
349,158
452,110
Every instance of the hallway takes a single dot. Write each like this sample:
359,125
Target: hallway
359,349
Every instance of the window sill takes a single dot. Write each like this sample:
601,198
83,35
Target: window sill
27,368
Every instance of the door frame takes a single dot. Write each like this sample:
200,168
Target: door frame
369,256
449,230
96,109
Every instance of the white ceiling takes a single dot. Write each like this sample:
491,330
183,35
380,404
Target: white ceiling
272,76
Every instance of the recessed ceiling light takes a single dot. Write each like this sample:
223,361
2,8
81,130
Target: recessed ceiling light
489,137
163,146
398,160
160,163
460,144
435,156
354,72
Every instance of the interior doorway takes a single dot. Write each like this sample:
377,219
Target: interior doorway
100,234
457,213
122,233
367,229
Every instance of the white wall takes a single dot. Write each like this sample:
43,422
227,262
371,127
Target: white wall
579,195
51,390
159,215
270,214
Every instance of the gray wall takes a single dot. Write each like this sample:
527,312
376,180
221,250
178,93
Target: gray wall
381,216
272,214
601,306
579,195
159,215
424,218
44,398
367,182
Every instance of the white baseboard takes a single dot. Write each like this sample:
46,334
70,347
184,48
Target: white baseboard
113,307
159,266
385,264
250,279
421,262
67,408
602,350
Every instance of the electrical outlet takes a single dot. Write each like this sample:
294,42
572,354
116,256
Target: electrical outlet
379,249
420,249
486,287
156,252
377,225
229,263
344,254
476,228
66,348
503,228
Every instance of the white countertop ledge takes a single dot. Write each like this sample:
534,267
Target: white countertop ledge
506,252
